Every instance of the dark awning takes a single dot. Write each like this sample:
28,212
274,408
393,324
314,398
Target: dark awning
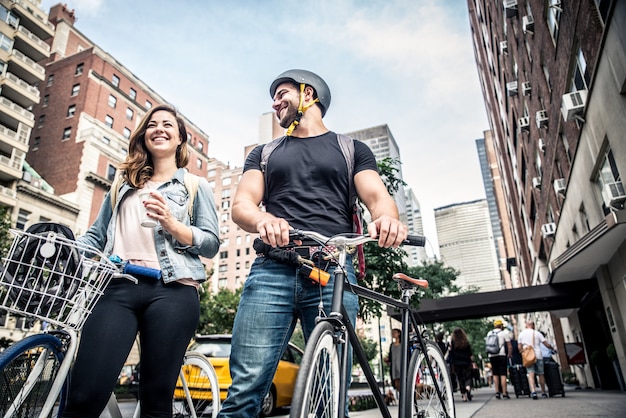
597,247
548,297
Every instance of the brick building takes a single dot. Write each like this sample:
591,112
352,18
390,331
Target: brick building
90,105
553,75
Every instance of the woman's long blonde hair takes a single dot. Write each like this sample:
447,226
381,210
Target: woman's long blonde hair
138,166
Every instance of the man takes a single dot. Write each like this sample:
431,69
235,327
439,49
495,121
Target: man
530,337
499,360
307,187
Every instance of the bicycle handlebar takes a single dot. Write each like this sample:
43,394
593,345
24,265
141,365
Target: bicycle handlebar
348,239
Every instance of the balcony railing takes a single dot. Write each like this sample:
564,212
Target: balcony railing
34,5
35,67
34,38
16,108
13,163
31,89
5,191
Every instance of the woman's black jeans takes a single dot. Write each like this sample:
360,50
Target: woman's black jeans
166,317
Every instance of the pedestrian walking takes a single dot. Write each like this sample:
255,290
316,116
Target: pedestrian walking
498,357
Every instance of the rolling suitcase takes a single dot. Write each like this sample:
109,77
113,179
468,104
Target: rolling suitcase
519,380
552,374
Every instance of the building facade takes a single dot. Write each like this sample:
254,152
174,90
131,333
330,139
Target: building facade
553,75
90,105
466,244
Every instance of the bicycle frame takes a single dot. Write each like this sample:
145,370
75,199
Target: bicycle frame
340,320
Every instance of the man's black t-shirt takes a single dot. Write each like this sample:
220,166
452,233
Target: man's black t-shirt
308,181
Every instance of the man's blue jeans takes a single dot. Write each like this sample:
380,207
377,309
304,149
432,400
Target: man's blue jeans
273,299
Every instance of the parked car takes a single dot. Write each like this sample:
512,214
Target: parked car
217,349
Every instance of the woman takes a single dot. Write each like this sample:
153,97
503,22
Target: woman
461,359
394,358
164,311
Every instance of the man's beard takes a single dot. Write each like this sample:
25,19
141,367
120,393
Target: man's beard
289,117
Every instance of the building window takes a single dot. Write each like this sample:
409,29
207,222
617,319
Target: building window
226,182
71,111
211,173
108,121
79,69
67,133
36,143
132,93
126,133
46,99
129,113
42,119
50,79
75,89
609,177
200,146
105,140
115,80
22,219
581,77
553,18
148,104
603,9
6,43
111,172
112,101
225,193
223,255
225,204
199,163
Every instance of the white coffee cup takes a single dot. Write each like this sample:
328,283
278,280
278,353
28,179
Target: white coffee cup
145,220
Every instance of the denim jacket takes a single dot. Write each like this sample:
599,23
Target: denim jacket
177,261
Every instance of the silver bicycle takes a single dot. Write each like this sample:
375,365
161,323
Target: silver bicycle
56,282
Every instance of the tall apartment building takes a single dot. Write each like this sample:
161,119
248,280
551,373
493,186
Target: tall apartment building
417,255
383,145
90,105
489,171
466,244
553,75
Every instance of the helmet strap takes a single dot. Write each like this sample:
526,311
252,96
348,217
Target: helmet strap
301,110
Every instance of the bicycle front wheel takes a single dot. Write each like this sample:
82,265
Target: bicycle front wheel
28,370
197,391
424,399
316,393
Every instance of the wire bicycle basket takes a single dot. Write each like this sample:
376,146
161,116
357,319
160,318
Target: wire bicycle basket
52,278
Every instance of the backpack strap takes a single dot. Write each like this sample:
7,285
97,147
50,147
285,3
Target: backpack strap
191,184
116,185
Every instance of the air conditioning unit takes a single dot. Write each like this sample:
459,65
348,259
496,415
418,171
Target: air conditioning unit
510,8
559,186
537,182
528,24
573,104
504,48
36,182
548,230
511,88
613,194
526,88
541,118
541,144
524,124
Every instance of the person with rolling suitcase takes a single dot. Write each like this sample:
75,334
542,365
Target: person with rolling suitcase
532,338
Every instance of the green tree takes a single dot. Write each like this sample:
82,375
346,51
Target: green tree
217,311
5,235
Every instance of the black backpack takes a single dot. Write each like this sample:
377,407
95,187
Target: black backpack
40,268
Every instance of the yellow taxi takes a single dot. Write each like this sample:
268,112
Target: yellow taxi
217,349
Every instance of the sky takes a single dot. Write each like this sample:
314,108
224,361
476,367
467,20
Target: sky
405,63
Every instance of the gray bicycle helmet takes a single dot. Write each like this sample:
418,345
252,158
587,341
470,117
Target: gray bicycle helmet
308,78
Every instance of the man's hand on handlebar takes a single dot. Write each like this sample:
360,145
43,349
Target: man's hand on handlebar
274,231
389,231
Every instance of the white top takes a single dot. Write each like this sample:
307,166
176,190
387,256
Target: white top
526,338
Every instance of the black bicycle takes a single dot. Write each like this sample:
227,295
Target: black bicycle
321,385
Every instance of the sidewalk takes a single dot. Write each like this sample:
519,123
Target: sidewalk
576,403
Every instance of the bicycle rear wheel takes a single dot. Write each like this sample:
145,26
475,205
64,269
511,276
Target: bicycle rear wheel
197,391
28,370
317,387
424,400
